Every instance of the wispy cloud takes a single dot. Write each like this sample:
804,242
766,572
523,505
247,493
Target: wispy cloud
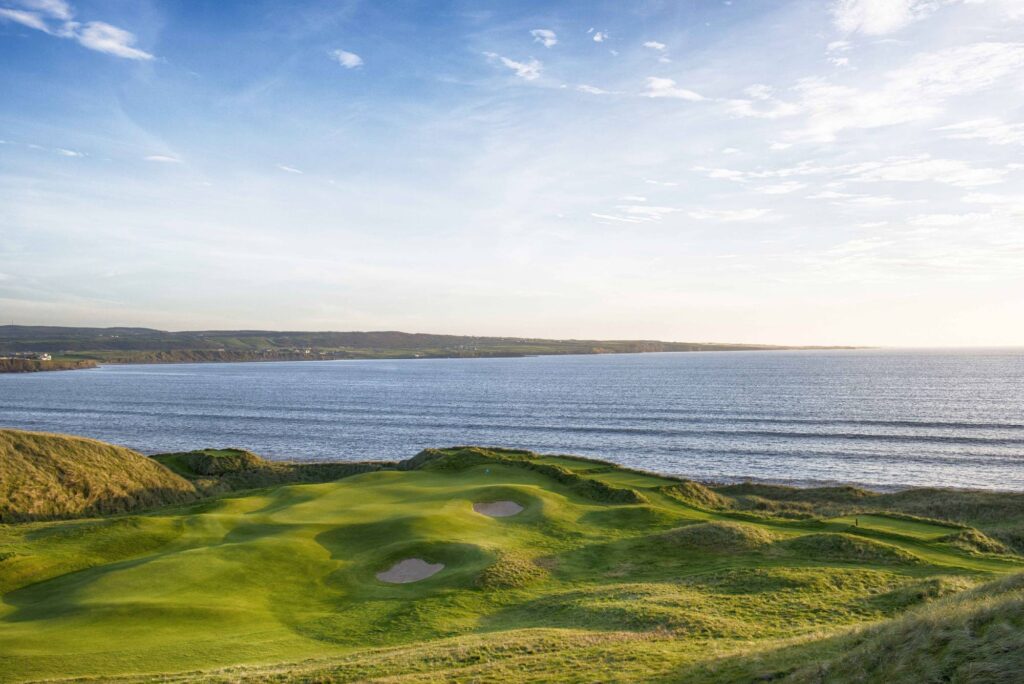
349,60
655,45
68,153
879,17
592,90
55,18
761,103
926,169
989,129
916,91
528,71
728,215
30,19
102,37
545,37
781,188
289,169
162,158
666,87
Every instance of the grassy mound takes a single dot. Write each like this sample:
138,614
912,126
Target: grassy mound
510,571
215,471
45,476
720,537
696,494
976,637
997,515
973,540
845,548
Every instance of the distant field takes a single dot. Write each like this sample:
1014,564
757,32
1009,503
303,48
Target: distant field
604,572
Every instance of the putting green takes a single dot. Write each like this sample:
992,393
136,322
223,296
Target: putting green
289,574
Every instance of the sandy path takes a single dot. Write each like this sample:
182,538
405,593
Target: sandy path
498,509
409,570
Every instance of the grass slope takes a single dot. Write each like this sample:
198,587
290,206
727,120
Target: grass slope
606,574
45,476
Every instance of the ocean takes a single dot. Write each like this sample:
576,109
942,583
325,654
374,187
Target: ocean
878,418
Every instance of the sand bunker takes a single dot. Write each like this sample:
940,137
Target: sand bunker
498,509
409,570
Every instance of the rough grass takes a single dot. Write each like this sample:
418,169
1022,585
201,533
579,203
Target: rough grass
720,537
976,637
44,476
846,548
279,584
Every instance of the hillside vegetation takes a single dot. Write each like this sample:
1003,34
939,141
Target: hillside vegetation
145,345
45,476
600,574
36,365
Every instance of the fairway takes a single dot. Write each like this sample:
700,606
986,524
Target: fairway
289,574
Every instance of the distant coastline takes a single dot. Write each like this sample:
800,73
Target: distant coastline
17,365
86,347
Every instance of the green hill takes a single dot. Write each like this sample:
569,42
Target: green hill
471,564
45,476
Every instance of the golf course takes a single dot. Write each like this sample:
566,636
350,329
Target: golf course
480,564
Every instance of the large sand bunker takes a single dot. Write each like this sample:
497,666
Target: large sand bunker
409,570
498,509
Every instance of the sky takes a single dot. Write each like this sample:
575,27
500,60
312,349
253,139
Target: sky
792,172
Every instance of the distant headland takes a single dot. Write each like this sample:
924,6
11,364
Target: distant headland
88,346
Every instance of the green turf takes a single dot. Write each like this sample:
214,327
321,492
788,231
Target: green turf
281,583
918,529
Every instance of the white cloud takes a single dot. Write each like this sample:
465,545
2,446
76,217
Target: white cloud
621,219
647,212
163,158
289,169
1012,203
944,220
95,35
830,194
545,37
666,87
664,184
879,17
924,168
592,90
728,215
349,60
68,153
762,104
989,129
528,71
781,188
637,213
655,45
600,37
29,19
914,92
57,9
102,37
633,198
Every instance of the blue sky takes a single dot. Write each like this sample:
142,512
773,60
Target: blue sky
795,172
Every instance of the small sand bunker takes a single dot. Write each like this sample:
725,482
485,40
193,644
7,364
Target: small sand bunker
498,509
409,570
